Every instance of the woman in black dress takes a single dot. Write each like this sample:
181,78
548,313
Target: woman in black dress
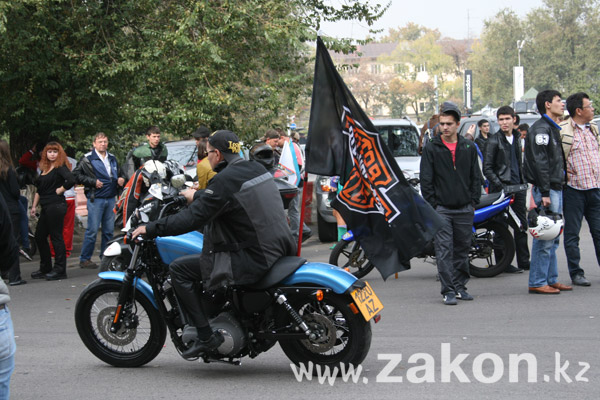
9,190
54,180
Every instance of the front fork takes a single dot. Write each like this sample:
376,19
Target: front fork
126,297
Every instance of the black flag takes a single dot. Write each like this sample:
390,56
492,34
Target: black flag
390,220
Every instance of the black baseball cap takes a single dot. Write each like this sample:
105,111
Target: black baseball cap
450,108
226,142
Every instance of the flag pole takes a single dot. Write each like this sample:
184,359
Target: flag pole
303,202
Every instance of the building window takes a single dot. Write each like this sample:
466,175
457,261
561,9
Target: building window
421,106
398,68
375,68
421,68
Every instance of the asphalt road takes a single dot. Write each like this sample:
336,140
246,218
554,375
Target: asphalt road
503,323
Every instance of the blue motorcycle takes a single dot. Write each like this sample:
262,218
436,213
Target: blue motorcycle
492,247
317,312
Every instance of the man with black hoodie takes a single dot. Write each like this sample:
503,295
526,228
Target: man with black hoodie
450,182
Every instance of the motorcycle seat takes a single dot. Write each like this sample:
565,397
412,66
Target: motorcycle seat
283,268
487,200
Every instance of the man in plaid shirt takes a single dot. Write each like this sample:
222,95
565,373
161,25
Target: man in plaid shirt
581,194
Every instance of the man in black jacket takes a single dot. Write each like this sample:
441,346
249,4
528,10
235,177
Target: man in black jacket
245,232
544,169
502,166
450,182
484,132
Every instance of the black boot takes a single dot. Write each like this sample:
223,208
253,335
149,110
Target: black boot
55,275
39,274
204,346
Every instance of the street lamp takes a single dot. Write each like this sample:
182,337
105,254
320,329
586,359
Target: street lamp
520,44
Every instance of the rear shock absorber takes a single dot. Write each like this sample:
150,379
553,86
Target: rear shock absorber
281,299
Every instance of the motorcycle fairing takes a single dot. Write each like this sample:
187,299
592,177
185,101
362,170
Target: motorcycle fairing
140,284
172,247
483,214
327,275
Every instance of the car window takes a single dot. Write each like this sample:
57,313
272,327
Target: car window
403,141
464,127
184,154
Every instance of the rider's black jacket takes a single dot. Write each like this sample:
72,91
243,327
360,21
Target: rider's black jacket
544,165
446,184
246,229
496,160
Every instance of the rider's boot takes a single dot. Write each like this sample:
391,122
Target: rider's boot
204,346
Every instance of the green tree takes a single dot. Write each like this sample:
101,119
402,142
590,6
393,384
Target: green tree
494,57
416,62
564,46
71,68
560,51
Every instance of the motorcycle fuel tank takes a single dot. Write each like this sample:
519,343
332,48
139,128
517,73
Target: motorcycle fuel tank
173,247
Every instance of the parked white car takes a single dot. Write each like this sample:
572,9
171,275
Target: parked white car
402,138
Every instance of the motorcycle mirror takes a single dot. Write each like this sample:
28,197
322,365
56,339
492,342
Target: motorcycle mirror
178,181
156,191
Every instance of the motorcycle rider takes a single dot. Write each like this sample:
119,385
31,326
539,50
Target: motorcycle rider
245,232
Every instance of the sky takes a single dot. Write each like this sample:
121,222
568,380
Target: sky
457,19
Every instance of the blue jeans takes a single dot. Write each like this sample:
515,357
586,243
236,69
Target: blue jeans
544,267
579,204
99,212
7,352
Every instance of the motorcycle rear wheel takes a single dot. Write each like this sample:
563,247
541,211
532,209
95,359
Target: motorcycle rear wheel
129,347
350,255
499,253
346,336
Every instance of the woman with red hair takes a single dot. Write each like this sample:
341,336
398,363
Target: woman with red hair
55,178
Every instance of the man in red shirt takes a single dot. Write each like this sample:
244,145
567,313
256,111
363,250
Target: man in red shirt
451,183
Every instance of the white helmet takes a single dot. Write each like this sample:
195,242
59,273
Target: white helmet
545,225
154,172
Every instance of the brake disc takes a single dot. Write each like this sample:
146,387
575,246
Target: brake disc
326,329
104,320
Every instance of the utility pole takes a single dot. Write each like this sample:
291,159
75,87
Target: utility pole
520,44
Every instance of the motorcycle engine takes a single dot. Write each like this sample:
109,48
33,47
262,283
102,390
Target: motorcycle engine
230,328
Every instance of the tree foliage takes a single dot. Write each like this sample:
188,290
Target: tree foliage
560,51
418,57
72,68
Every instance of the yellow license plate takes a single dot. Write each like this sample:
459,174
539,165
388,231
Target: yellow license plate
367,301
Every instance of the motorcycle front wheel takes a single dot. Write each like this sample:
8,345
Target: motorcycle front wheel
350,255
492,251
345,337
131,346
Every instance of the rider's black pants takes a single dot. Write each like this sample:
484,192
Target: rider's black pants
186,278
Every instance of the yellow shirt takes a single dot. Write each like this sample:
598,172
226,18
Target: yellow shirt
205,173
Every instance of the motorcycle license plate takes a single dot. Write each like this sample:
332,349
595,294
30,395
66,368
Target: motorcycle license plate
367,301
